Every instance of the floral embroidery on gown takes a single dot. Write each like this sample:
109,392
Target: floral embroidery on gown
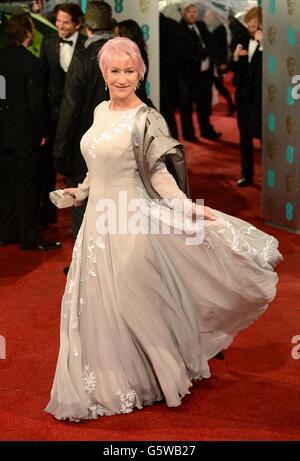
143,314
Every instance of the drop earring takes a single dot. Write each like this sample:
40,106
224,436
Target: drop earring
105,86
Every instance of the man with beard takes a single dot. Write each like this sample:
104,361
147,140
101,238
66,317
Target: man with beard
57,53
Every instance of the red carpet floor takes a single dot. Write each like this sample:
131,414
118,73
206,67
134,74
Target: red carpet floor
252,395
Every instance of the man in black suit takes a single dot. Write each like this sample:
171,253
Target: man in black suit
57,53
198,63
24,127
84,90
58,50
170,70
247,64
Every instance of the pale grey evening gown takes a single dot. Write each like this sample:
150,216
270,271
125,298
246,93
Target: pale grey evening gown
143,313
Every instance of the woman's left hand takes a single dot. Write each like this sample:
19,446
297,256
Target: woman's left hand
204,211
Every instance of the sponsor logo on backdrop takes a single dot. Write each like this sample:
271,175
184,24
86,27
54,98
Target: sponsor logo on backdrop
144,6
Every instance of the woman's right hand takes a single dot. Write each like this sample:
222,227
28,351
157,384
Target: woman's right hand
73,192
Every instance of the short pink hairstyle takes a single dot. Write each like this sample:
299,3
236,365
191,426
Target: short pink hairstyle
121,45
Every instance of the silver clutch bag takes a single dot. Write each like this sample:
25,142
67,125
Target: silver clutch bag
61,200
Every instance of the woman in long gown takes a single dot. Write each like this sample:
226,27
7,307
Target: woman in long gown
143,313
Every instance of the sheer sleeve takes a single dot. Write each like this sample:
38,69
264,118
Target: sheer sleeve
164,183
83,188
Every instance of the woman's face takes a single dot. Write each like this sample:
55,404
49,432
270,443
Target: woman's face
121,77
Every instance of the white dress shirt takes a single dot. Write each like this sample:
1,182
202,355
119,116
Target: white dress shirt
253,44
66,51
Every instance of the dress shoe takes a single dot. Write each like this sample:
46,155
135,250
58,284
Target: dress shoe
192,139
244,182
41,245
66,270
213,136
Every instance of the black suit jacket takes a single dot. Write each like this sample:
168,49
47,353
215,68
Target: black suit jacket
53,72
220,35
248,82
192,51
84,90
23,114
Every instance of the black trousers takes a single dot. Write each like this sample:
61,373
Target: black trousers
19,200
218,81
201,93
168,112
77,213
246,139
47,183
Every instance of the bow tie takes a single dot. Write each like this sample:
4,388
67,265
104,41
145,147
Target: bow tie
62,40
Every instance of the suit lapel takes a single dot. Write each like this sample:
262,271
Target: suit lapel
79,43
56,51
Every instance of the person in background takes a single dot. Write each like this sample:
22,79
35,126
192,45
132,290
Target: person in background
247,65
172,86
219,32
84,90
24,128
57,53
199,56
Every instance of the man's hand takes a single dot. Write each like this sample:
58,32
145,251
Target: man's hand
73,191
43,141
259,36
238,52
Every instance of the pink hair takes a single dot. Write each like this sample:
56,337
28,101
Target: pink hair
121,45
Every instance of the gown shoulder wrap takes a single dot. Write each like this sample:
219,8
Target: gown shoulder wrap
152,143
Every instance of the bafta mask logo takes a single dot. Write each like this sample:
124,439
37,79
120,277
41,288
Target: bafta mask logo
272,33
291,7
289,183
289,123
271,148
290,66
144,6
271,93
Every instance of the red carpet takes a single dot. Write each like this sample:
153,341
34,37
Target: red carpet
252,395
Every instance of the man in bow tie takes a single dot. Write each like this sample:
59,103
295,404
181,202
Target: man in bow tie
57,53
247,64
58,50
